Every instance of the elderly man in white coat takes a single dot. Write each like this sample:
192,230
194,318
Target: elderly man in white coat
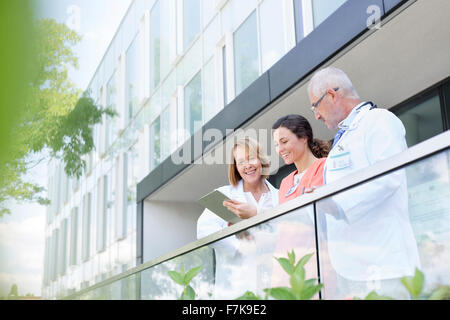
370,241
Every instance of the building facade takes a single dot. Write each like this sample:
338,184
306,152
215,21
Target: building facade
178,68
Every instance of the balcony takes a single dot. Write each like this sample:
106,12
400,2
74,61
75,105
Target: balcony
359,244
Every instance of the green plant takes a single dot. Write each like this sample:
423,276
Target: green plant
415,286
300,288
184,278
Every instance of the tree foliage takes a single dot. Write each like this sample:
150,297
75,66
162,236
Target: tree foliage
51,113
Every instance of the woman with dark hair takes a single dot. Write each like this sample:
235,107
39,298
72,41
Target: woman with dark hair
294,142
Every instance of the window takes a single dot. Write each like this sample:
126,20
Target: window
47,261
426,114
155,143
165,133
155,47
102,196
121,196
86,239
191,21
322,9
246,54
110,189
62,260
132,80
193,105
55,251
272,33
111,126
422,118
73,236
209,90
224,75
132,170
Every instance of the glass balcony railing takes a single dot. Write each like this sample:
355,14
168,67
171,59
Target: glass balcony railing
365,232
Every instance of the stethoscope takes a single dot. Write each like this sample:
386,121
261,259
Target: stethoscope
293,188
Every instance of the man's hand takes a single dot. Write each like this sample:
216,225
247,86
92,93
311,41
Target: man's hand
242,210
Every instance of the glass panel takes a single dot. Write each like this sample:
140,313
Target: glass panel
246,54
193,104
246,262
73,236
272,33
156,283
376,233
208,11
132,181
322,9
155,143
210,37
155,47
132,80
165,134
167,38
190,64
111,124
211,106
422,120
191,21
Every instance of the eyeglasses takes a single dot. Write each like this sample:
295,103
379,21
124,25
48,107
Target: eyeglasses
314,105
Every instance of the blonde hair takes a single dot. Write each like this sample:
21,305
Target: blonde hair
254,148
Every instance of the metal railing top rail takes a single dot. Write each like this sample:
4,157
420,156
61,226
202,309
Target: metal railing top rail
416,153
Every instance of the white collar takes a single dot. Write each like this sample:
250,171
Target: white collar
346,123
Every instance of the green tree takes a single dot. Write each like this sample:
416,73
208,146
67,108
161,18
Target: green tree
48,114
13,293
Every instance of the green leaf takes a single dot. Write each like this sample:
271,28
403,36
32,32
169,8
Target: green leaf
286,265
182,273
282,293
297,281
188,294
304,260
309,291
175,276
249,296
414,284
291,258
375,296
191,274
441,293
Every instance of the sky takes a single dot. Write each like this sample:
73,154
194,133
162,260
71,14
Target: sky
22,234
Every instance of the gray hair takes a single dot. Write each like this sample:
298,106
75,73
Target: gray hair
329,78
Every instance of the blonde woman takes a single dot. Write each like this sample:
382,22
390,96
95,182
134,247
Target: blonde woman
249,190
250,193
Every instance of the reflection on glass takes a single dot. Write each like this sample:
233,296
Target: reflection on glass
429,211
156,283
272,35
376,233
246,54
191,21
322,9
245,262
422,121
193,104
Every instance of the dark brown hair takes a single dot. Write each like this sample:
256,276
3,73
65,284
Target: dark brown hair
299,126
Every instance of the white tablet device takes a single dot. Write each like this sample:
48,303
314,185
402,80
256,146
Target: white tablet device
214,202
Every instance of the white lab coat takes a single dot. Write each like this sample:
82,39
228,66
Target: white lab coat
235,272
372,239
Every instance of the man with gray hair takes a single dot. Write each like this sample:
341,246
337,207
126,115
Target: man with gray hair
370,241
